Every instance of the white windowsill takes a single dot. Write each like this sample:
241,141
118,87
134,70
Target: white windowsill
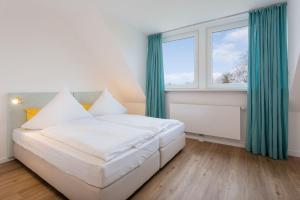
205,90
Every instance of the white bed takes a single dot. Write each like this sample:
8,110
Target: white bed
85,167
90,160
80,175
170,132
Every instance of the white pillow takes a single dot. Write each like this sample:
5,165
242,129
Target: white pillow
106,104
62,108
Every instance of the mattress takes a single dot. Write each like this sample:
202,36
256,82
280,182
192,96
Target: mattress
102,139
88,168
166,137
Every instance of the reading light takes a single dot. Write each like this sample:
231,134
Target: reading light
16,101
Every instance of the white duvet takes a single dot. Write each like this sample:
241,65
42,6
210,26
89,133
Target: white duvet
102,139
149,123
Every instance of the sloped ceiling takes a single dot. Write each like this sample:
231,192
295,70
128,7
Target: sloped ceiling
98,34
85,22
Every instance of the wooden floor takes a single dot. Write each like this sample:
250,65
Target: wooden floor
201,171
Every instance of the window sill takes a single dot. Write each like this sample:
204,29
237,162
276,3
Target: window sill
205,90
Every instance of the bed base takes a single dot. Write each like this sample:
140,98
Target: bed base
169,151
74,188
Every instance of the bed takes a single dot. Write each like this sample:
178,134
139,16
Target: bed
79,175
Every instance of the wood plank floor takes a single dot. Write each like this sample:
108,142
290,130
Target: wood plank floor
201,171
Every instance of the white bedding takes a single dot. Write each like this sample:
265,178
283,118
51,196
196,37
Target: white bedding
168,129
102,139
149,123
89,169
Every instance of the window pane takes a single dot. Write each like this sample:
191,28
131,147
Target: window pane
179,61
230,56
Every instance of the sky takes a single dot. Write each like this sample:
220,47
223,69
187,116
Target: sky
178,57
227,47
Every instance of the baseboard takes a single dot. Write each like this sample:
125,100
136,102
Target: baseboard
294,153
204,138
4,160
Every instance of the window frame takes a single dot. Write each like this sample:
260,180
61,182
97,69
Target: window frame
202,56
209,66
182,36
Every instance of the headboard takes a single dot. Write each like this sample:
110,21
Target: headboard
16,115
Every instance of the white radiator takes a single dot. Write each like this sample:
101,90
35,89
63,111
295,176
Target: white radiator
219,121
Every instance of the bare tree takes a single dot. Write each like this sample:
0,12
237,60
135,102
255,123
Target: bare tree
239,74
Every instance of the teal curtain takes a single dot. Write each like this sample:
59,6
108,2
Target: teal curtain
268,95
155,89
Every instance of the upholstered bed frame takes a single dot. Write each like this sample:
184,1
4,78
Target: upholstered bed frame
74,188
70,186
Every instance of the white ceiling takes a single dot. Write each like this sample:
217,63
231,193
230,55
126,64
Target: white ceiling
151,16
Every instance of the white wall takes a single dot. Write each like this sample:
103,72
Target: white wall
294,73
293,38
48,44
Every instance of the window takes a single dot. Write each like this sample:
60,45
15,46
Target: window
207,56
179,57
228,61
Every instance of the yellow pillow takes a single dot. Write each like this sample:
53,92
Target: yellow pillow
86,105
31,112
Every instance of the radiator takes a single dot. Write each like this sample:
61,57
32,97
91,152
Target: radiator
212,120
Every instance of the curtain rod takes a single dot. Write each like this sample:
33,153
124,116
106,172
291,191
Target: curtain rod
207,21
220,18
